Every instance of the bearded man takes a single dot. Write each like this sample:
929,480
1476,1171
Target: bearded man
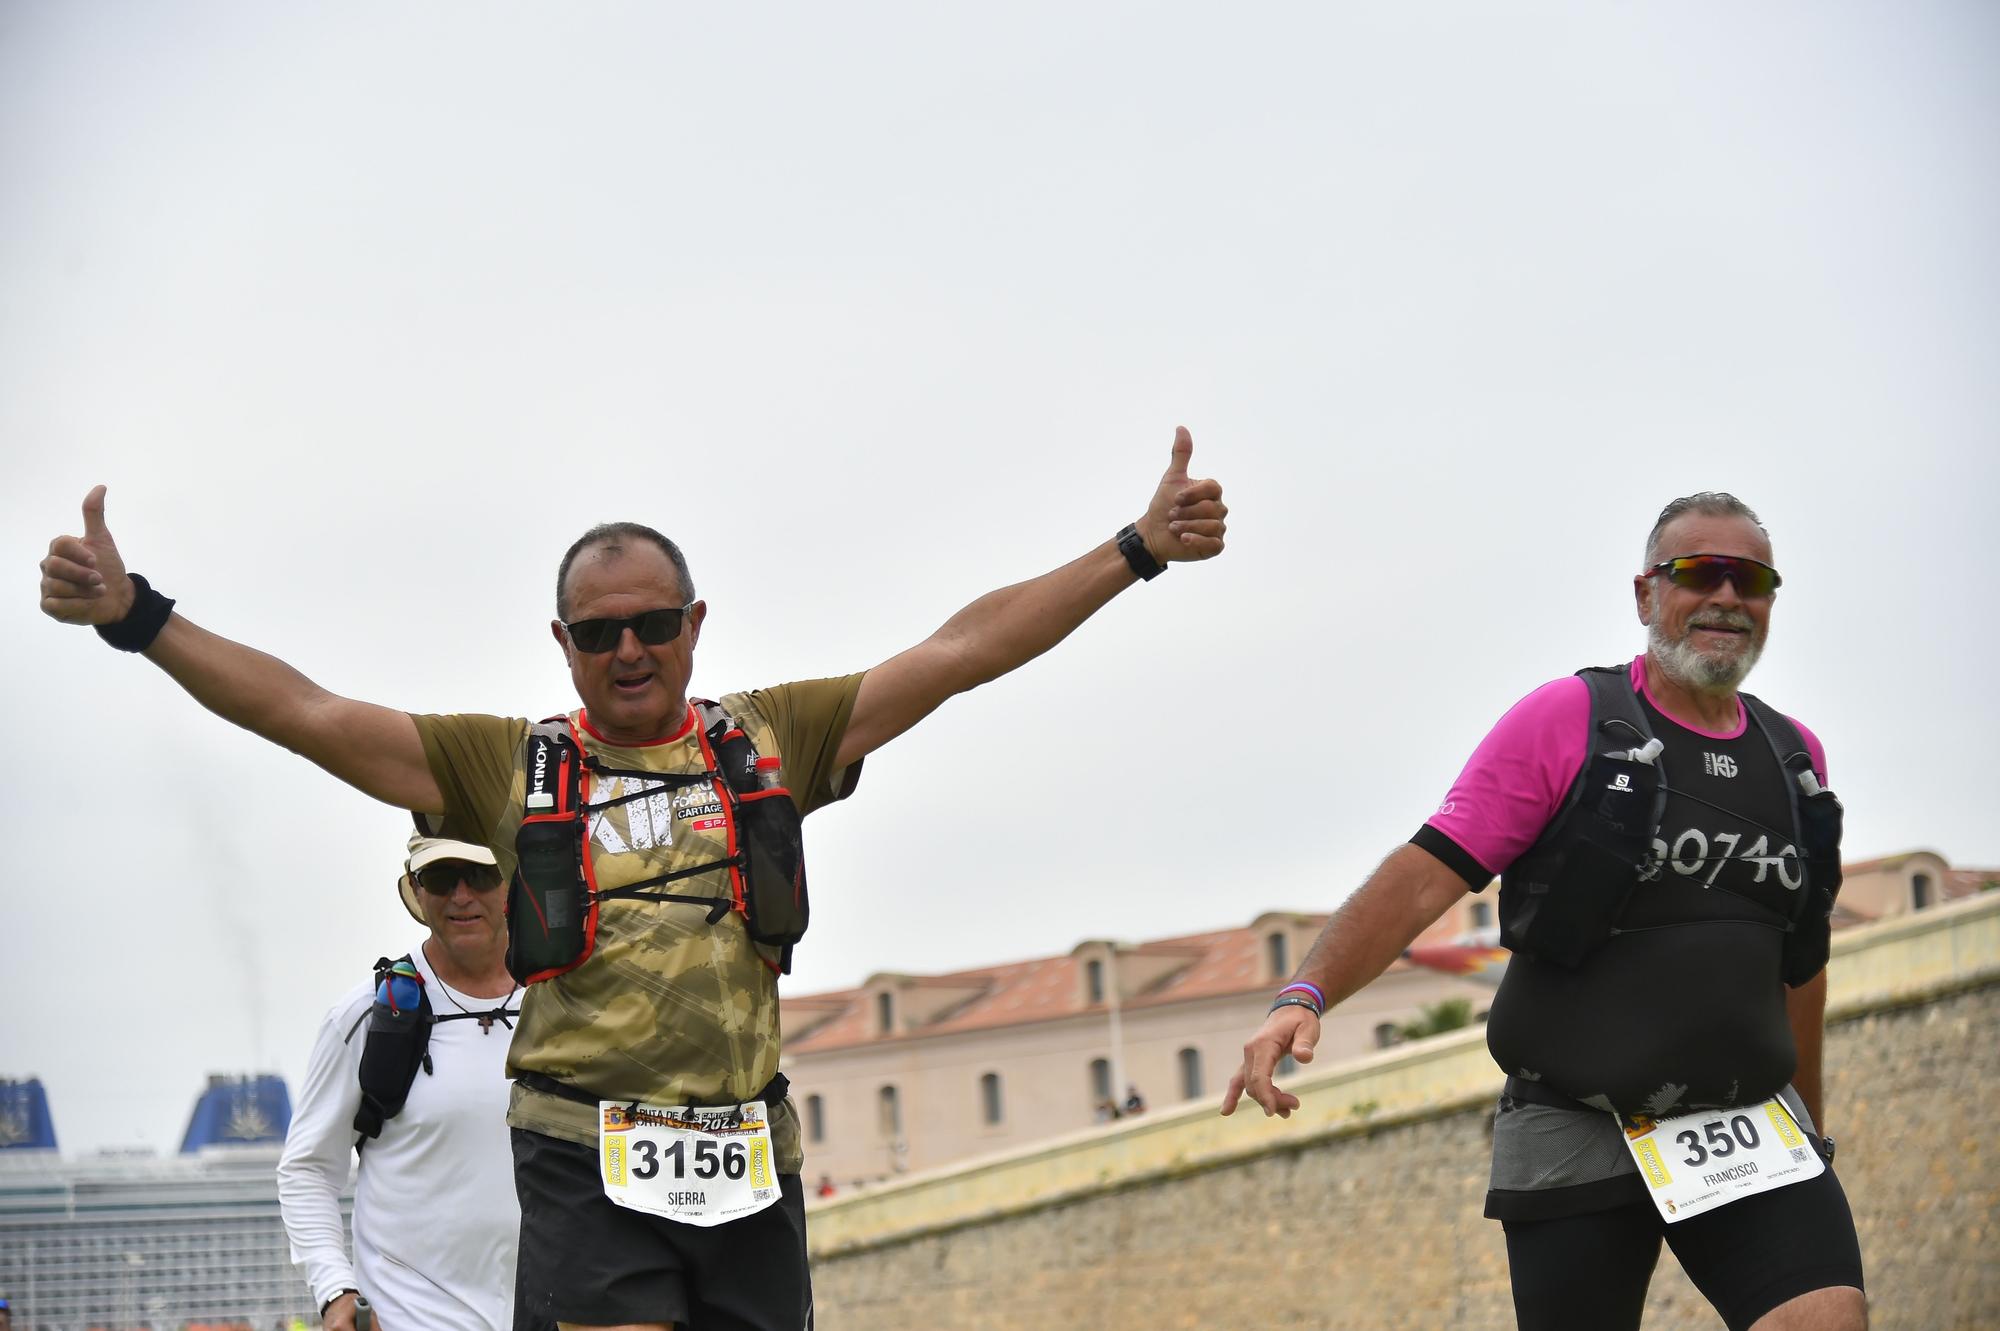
1668,854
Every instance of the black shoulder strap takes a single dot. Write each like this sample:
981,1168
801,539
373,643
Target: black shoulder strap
1617,721
1615,714
390,1057
735,754
553,767
1786,741
1819,850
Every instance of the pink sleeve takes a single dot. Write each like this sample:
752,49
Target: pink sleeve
1519,775
1815,748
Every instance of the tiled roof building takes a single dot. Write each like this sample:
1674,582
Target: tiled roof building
909,1072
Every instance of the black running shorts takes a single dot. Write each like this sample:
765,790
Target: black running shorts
1746,1258
588,1260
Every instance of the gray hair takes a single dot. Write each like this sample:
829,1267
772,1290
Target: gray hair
1708,503
614,536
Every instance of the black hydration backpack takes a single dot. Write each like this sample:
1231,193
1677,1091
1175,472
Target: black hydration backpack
553,898
1564,896
399,1041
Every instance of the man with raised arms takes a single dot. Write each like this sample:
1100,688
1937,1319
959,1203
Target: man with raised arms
656,1154
1668,857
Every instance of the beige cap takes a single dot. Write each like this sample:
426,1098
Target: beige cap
429,850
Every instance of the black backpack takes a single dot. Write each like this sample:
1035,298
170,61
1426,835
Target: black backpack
398,1043
1562,898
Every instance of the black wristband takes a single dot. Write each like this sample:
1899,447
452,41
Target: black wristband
143,622
1297,1000
1133,546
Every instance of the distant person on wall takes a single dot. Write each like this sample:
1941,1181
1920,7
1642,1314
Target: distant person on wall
410,1070
1668,856
652,848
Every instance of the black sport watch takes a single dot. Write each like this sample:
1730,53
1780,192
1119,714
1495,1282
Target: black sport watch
1133,546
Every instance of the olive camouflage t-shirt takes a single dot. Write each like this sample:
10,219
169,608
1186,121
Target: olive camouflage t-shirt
669,1009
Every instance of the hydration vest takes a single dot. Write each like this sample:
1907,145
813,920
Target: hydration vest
553,898
398,1042
1567,892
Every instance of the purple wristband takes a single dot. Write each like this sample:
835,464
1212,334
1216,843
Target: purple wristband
1301,985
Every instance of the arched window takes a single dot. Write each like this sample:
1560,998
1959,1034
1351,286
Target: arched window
1281,962
989,1098
1093,974
885,1012
1190,1074
815,1119
1920,891
889,1112
1482,914
1100,1080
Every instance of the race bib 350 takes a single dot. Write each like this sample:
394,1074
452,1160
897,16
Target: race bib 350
1696,1162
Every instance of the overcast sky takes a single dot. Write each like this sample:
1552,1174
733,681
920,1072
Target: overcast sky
364,311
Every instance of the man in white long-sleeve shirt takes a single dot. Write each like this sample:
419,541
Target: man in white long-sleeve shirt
436,1223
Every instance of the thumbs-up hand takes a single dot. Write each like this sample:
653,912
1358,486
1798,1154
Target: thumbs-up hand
83,578
1186,518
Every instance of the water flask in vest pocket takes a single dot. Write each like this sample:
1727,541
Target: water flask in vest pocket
1810,941
548,906
1567,905
398,1035
775,906
769,838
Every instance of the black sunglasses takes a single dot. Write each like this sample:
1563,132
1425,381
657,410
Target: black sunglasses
1704,573
441,879
653,628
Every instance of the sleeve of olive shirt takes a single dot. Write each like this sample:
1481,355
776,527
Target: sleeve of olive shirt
810,718
472,758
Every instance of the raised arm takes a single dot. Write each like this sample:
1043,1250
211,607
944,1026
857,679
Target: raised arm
374,749
1006,629
1402,898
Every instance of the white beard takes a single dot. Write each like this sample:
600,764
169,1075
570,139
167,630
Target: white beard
1691,668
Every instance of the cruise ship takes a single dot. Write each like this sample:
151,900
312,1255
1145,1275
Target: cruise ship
138,1242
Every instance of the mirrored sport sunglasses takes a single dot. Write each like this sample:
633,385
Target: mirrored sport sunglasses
1704,573
602,635
441,879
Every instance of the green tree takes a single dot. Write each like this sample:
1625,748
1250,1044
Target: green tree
1436,1018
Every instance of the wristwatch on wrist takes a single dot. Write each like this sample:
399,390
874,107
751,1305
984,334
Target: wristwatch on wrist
1133,546
338,1296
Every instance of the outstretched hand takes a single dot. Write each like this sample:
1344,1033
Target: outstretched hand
1185,520
1291,1029
83,578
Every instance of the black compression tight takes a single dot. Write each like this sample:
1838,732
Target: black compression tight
1590,1272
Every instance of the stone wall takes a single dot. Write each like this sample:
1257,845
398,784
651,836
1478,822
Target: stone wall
1373,1220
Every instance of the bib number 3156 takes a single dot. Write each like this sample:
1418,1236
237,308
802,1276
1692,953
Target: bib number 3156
698,1166
1697,1162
